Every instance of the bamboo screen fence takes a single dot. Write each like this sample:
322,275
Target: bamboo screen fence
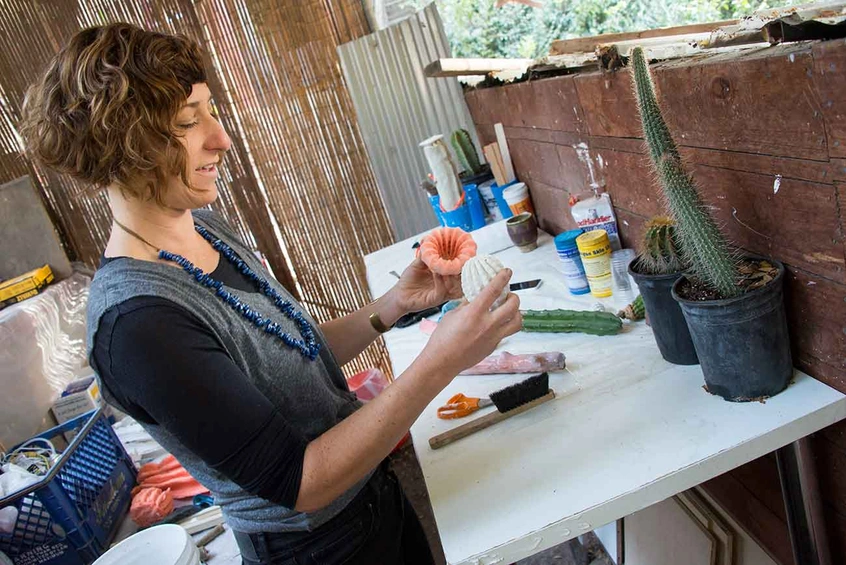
297,184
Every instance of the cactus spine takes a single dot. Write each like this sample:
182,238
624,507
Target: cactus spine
702,243
464,149
661,252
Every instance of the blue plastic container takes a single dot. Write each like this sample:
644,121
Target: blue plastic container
72,514
435,202
458,218
474,202
574,270
503,205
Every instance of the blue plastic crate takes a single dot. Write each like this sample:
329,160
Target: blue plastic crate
72,514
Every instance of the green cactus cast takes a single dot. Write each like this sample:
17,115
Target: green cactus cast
464,149
702,243
570,321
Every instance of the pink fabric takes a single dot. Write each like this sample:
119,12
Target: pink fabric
169,474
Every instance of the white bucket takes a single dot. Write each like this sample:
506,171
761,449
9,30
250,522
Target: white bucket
517,198
168,544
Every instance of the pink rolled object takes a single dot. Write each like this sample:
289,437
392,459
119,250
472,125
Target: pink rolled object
524,363
150,505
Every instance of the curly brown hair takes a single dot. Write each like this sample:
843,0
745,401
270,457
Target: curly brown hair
104,112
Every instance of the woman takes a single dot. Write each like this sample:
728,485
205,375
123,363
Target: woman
190,336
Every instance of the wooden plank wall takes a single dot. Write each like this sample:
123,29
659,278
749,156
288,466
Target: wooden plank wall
742,119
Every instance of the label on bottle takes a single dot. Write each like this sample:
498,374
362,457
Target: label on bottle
574,271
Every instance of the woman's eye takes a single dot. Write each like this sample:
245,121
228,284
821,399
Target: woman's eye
188,125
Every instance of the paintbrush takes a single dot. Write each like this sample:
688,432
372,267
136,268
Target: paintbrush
510,401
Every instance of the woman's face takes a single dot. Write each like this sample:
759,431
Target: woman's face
205,142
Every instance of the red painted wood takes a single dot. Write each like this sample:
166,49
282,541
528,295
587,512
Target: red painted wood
751,103
816,312
798,225
835,522
548,104
630,226
608,103
536,162
830,83
552,208
831,459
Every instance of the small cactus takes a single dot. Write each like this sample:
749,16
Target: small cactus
634,311
464,149
661,252
702,243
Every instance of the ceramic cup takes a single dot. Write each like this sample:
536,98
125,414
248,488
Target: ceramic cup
523,231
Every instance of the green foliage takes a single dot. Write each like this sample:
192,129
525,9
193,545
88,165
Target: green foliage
703,245
476,28
462,145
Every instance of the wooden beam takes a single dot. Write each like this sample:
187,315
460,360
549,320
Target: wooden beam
460,67
590,44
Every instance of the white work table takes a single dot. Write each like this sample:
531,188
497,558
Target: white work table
626,429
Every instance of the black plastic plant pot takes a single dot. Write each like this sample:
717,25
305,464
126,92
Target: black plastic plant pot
479,178
665,316
742,342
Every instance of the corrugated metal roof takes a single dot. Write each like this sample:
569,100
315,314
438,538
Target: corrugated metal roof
398,107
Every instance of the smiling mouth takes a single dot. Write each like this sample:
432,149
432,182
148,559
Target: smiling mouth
207,168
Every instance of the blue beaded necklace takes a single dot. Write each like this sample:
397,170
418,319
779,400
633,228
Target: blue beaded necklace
308,347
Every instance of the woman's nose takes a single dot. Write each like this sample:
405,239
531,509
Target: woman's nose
218,139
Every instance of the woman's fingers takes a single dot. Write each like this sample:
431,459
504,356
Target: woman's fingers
512,326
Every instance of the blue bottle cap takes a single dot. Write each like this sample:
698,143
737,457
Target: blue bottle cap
568,238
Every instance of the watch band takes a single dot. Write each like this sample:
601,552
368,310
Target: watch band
377,323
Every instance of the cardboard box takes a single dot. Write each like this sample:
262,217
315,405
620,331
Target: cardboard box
28,284
79,397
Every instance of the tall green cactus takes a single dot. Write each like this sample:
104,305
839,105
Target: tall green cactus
464,149
661,252
702,243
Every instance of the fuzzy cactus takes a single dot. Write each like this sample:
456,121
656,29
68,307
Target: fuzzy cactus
464,149
661,252
703,245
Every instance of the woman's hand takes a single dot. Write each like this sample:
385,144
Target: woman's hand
472,331
419,288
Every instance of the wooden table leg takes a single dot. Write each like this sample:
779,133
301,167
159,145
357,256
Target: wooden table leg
803,504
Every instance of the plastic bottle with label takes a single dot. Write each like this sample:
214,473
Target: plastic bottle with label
595,249
595,212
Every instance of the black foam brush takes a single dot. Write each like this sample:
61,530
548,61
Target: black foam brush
509,401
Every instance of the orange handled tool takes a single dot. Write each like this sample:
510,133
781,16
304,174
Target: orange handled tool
459,406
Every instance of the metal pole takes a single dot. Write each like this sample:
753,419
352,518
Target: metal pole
803,504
